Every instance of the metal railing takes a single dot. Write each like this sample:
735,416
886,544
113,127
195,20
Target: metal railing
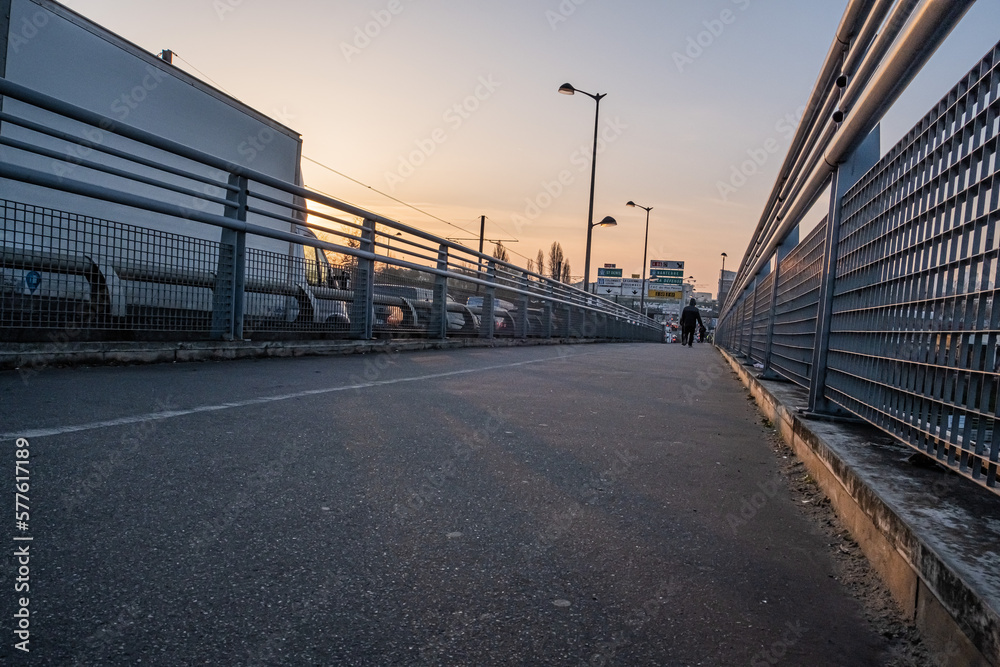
888,309
222,251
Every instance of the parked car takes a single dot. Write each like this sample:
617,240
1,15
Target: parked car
408,306
503,313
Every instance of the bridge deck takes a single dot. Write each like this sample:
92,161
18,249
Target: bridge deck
544,505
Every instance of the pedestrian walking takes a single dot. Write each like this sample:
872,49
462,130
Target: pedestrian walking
690,317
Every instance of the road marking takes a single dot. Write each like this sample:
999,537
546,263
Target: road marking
169,414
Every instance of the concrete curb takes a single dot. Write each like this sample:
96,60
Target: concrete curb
933,536
31,358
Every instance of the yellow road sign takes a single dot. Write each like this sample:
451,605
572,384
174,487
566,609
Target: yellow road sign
663,294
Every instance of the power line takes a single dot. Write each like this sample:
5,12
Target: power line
210,79
500,226
365,185
384,194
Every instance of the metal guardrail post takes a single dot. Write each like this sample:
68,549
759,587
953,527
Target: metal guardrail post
818,402
522,306
439,308
767,373
230,277
486,318
780,253
753,309
846,175
547,314
362,308
738,310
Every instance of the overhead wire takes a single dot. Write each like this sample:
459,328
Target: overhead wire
210,79
365,185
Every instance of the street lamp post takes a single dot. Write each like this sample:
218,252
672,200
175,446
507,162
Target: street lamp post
568,89
388,244
607,221
645,244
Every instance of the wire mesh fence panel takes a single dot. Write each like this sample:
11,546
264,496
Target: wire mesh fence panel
62,271
913,345
295,293
794,333
759,319
403,302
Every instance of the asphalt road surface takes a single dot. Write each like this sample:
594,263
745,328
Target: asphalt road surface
571,505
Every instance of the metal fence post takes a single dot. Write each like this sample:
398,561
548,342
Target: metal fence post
522,306
547,313
767,373
845,176
362,307
780,253
439,308
753,310
741,322
486,319
230,278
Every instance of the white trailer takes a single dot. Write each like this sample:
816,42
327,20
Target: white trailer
52,245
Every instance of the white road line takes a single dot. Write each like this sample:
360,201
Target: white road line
168,414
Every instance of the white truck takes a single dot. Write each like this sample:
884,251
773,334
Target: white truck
61,253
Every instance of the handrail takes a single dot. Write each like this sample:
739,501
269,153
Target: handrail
105,123
885,68
535,285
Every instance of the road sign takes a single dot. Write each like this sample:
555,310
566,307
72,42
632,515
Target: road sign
609,266
666,264
610,273
32,279
667,281
664,294
609,282
661,273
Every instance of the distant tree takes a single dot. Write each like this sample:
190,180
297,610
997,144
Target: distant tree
500,252
540,263
531,266
556,258
565,272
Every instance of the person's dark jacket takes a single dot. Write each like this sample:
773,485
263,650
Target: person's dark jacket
689,316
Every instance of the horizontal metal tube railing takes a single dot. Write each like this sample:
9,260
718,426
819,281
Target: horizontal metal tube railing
895,68
417,246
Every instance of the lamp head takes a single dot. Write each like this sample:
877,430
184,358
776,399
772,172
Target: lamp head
725,255
631,204
567,89
608,221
